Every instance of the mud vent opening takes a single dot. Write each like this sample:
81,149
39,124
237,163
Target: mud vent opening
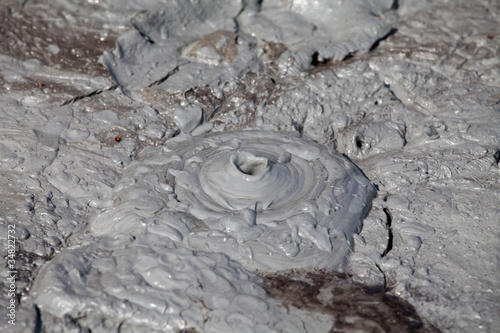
353,307
359,141
249,164
252,168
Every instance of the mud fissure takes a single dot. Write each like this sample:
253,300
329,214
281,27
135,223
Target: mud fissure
389,232
93,93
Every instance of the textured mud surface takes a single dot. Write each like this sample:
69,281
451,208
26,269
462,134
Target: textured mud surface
408,90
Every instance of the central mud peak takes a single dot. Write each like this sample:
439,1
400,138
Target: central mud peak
249,164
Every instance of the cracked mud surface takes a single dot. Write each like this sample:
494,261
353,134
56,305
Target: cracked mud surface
418,113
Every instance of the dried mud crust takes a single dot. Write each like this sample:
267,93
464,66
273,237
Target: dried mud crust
353,306
228,51
236,107
42,31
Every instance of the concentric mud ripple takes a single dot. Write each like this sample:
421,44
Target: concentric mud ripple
268,200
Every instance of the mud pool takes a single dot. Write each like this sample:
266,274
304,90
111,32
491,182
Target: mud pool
273,166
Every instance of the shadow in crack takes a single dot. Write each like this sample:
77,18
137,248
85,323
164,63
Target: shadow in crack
354,307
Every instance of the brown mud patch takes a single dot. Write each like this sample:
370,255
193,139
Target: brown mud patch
354,307
44,32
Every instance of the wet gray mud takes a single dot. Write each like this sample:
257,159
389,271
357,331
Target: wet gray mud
260,166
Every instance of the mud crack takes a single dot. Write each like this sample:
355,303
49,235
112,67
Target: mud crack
389,232
165,78
93,93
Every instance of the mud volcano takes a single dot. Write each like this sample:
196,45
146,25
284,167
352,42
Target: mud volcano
269,200
188,219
